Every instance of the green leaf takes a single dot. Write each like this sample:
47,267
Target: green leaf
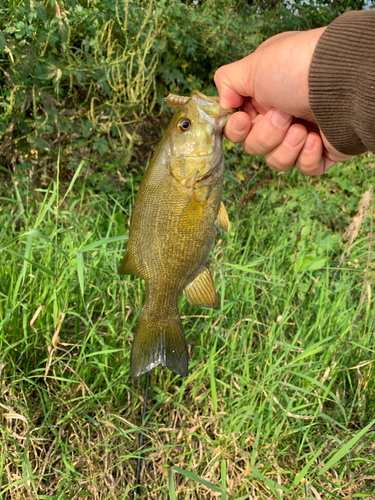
101,145
58,75
310,263
39,7
346,448
2,41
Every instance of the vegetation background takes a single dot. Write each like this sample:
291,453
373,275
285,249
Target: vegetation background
279,402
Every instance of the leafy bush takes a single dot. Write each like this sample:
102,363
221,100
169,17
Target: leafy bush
200,37
75,78
85,79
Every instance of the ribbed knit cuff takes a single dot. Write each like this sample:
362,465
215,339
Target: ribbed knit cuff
342,82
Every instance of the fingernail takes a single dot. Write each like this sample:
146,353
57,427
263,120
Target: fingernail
309,145
239,125
279,118
294,137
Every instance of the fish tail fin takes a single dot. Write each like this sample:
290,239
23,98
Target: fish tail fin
159,341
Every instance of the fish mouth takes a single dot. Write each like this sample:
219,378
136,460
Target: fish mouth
210,105
204,99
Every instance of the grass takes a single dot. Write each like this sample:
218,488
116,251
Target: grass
279,401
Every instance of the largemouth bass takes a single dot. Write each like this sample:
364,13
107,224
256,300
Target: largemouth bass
173,225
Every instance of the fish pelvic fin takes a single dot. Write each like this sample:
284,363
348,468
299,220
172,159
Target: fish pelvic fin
201,291
159,342
222,218
128,265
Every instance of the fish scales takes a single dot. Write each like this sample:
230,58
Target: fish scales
173,225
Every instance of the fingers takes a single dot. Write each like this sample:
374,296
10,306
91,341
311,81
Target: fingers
284,156
238,127
284,144
233,82
267,132
313,159
309,155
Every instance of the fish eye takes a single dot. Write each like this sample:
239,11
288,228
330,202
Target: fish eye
184,124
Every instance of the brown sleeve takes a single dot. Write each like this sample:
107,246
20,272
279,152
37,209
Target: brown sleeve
342,82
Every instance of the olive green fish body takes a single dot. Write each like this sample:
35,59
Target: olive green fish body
172,231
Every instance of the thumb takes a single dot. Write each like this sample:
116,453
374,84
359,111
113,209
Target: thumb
235,82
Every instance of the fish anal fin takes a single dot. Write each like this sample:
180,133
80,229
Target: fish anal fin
222,218
201,291
158,342
128,265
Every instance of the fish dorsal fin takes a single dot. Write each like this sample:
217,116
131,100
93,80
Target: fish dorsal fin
128,265
201,291
222,218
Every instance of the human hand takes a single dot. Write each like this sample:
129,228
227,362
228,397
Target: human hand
271,86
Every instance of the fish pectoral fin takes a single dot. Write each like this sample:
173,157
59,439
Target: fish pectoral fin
222,221
157,342
128,265
201,291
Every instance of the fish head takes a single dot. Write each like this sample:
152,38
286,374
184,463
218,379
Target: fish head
195,136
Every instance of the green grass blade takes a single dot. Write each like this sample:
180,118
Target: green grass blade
171,488
256,442
46,206
80,271
27,255
306,468
245,269
346,448
104,241
33,233
197,479
213,384
32,262
313,349
45,238
223,472
75,176
270,483
18,196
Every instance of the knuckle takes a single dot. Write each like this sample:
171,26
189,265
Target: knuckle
251,147
280,164
272,167
309,171
309,167
263,140
219,75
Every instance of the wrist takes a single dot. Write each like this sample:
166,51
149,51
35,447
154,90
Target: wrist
341,89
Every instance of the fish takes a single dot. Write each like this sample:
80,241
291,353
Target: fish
177,212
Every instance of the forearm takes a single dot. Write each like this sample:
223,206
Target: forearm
342,82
